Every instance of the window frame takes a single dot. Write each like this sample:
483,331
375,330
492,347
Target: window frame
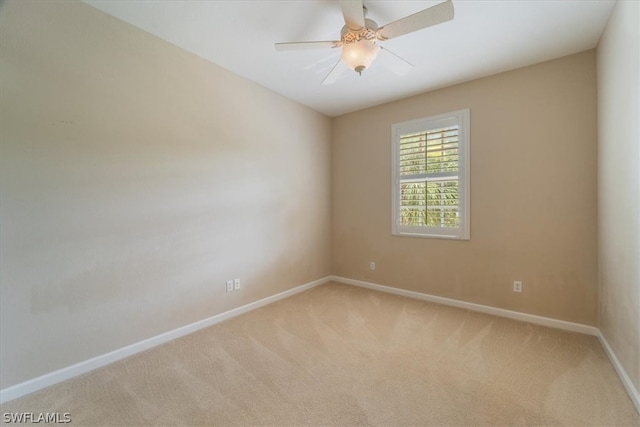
462,119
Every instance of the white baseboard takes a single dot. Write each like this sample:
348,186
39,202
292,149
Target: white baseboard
524,317
626,381
63,374
538,320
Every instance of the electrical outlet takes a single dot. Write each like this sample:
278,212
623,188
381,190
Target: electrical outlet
372,265
236,284
229,285
517,286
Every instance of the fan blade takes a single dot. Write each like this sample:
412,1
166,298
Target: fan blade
335,73
393,62
437,14
307,45
353,13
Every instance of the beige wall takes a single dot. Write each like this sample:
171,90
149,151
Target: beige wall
533,194
619,185
135,180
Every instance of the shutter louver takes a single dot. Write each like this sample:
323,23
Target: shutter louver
429,164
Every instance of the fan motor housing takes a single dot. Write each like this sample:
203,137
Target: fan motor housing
349,35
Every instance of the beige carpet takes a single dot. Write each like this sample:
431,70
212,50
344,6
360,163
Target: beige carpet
341,355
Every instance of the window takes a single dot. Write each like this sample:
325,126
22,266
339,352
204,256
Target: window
431,176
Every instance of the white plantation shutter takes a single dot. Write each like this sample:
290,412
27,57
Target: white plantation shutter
430,176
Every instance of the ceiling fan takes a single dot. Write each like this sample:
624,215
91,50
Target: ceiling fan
360,36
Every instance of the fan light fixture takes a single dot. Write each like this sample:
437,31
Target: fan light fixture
360,36
359,55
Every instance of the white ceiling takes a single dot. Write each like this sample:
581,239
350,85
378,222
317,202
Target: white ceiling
485,37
